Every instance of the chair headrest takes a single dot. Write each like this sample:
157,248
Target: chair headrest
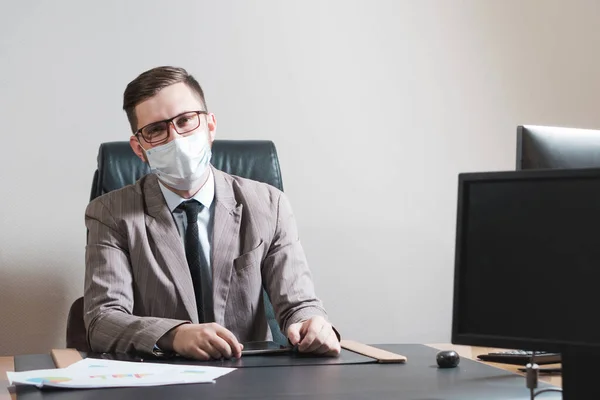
118,165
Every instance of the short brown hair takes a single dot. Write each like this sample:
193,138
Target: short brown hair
151,82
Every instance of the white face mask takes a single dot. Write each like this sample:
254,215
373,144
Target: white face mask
182,162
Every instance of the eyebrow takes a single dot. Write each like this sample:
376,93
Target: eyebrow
166,119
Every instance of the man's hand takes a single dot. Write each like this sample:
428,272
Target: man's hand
202,342
315,335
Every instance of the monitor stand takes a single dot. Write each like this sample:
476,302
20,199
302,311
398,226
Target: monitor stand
580,367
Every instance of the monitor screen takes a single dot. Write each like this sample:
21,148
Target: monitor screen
527,272
549,147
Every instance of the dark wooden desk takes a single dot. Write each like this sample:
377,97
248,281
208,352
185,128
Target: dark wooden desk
419,378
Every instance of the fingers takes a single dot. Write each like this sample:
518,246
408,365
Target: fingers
224,343
235,347
219,348
312,328
293,333
319,338
335,351
315,337
304,327
330,348
198,354
205,341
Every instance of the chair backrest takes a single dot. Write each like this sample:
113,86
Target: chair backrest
118,166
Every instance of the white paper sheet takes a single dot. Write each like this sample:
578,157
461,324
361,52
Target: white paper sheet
96,373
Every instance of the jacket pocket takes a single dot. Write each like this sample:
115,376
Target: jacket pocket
249,258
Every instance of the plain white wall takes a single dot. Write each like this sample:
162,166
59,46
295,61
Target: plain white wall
375,107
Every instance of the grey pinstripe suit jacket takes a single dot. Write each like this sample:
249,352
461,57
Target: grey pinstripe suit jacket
137,282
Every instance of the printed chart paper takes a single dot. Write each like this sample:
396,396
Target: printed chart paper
96,373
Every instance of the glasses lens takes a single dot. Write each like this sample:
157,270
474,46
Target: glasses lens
186,122
156,132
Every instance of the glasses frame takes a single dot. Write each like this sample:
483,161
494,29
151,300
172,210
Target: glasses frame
169,122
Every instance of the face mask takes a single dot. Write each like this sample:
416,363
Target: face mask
182,162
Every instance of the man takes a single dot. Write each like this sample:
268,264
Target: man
177,262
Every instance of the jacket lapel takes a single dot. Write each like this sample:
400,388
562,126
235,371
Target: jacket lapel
161,227
225,241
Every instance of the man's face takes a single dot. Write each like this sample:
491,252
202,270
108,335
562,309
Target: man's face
168,103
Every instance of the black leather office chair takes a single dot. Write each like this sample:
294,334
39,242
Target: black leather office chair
118,166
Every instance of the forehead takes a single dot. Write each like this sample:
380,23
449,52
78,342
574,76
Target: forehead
169,102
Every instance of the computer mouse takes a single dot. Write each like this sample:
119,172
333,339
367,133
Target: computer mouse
447,359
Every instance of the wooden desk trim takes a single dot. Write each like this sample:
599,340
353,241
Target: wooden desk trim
6,392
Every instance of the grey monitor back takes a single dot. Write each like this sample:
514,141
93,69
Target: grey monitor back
549,147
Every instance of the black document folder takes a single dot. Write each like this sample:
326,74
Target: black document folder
283,359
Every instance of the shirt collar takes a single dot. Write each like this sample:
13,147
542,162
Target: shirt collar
205,195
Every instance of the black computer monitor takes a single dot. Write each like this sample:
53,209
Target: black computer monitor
550,147
527,267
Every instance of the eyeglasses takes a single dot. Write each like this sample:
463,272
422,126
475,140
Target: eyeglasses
158,132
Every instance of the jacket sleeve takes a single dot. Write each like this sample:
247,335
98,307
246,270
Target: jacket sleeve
286,274
109,290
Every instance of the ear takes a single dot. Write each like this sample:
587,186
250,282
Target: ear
212,127
137,148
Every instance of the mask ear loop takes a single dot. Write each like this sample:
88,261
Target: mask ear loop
143,150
